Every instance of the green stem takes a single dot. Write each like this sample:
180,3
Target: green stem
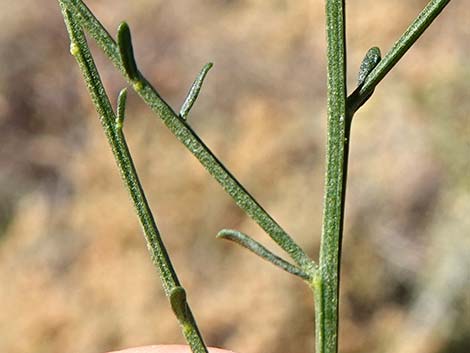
113,129
340,113
327,279
401,46
191,140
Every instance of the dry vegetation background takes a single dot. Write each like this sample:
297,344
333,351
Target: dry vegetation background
74,270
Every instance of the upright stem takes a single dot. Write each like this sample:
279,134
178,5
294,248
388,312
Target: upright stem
326,281
184,133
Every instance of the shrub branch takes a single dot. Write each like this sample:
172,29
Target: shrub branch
185,134
112,126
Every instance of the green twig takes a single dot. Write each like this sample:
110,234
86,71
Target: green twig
191,140
324,279
258,249
326,283
401,46
340,113
112,125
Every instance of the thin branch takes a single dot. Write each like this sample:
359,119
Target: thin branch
326,284
112,125
191,140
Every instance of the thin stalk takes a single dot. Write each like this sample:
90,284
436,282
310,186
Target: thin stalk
112,125
401,46
326,281
340,114
191,140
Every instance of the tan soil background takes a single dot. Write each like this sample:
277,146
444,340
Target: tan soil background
74,270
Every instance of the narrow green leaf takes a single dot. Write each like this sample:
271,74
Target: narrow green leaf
194,91
124,41
258,249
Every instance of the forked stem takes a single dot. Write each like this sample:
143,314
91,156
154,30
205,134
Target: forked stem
185,134
340,113
324,279
401,46
113,127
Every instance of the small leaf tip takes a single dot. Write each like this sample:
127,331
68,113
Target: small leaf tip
224,233
121,108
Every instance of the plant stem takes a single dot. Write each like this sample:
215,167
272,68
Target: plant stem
326,281
325,278
113,130
401,46
340,113
184,133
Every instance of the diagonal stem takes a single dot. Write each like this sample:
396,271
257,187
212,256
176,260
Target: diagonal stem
191,140
113,129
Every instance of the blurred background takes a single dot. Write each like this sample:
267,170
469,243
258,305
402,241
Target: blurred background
74,269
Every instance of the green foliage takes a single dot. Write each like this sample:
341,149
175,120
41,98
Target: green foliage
322,278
